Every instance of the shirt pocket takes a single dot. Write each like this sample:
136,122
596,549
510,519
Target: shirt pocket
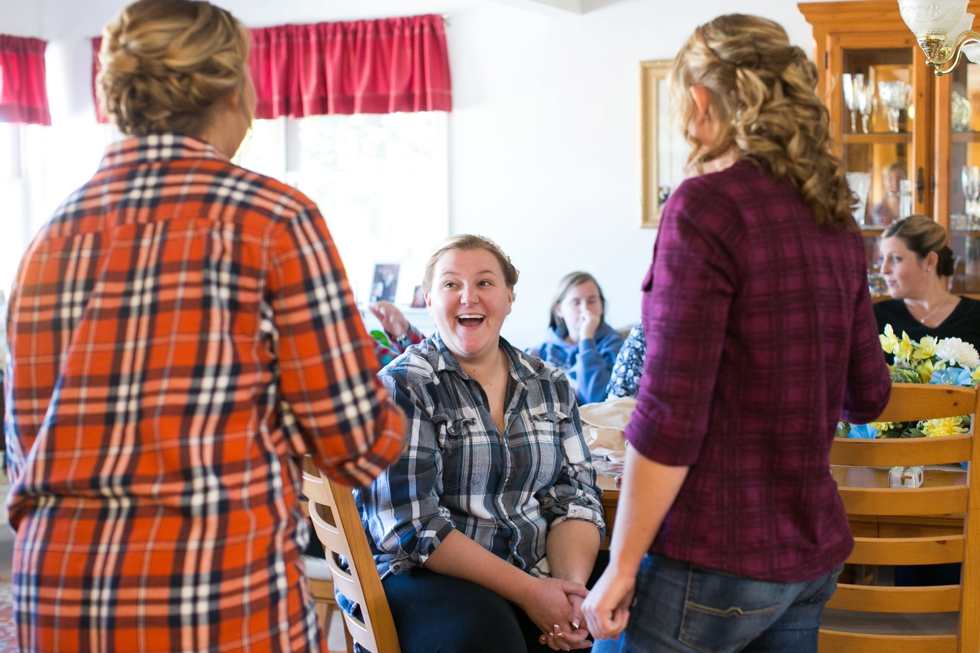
453,435
545,447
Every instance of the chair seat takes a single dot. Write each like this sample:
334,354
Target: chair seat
898,624
317,568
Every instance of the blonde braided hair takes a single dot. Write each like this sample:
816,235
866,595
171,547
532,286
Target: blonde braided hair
165,63
764,104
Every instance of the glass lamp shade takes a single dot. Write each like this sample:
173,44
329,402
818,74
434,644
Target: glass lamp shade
934,18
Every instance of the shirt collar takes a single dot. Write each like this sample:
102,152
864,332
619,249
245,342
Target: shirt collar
156,148
522,368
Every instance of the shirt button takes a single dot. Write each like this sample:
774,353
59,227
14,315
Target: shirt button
507,480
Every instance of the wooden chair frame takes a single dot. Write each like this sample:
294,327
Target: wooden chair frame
913,402
338,525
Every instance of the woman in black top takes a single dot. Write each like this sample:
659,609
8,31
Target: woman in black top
917,264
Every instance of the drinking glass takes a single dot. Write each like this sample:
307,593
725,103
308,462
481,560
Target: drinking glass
866,101
859,184
897,96
973,191
850,99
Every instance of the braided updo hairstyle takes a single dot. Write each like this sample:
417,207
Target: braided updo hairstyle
763,102
165,63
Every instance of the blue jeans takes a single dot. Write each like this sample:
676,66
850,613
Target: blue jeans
683,608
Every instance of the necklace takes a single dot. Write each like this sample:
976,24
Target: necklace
923,319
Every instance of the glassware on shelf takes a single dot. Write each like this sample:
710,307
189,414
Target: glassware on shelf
896,96
866,101
904,198
850,98
860,185
970,180
960,113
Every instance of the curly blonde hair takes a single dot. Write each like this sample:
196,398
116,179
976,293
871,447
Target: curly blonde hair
165,63
764,104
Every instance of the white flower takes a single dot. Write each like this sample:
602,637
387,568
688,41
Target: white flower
956,352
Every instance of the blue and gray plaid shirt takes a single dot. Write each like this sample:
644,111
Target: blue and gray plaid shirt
503,492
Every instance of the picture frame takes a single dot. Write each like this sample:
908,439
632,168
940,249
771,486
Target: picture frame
384,282
663,148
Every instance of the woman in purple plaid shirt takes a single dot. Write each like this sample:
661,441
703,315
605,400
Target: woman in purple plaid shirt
730,533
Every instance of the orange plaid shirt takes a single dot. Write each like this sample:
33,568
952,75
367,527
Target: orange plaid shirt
180,333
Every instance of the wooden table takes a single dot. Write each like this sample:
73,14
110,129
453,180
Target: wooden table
610,498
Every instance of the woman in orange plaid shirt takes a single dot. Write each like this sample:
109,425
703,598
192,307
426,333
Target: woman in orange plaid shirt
181,332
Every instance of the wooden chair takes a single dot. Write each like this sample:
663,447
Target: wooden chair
878,618
338,525
321,586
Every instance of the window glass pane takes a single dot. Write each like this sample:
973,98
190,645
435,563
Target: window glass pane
6,150
12,244
264,148
379,180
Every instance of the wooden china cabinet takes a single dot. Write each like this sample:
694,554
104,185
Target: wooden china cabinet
937,136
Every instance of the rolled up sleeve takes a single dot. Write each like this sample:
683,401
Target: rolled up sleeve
332,404
575,495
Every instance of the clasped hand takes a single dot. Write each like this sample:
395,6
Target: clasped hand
555,606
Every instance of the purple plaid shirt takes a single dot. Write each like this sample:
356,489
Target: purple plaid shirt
760,335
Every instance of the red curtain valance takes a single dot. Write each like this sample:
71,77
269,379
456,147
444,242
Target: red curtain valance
23,93
365,66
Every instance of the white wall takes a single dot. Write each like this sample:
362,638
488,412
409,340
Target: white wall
19,18
544,136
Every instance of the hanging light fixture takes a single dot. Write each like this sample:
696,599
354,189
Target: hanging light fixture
943,29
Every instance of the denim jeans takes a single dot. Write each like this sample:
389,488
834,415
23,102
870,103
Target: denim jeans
679,607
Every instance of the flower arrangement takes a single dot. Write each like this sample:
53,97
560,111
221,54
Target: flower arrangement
949,361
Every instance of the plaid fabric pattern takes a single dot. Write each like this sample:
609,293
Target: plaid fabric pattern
180,332
501,491
760,335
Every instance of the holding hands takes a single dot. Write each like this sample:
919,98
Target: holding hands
555,606
607,607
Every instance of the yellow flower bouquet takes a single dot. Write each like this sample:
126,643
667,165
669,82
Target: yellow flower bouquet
949,361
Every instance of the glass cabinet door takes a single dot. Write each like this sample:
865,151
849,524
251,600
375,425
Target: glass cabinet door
882,140
964,175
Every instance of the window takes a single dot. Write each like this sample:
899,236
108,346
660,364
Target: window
15,234
380,180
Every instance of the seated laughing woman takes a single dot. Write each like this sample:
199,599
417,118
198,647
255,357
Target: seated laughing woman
486,531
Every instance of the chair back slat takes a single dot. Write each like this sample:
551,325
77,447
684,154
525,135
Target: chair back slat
910,527
867,598
908,403
338,525
892,453
907,550
832,641
917,501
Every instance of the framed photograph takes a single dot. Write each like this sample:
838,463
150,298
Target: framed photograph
385,282
664,150
418,298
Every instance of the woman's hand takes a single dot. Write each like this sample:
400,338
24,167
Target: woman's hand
588,322
554,602
392,320
607,606
578,638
